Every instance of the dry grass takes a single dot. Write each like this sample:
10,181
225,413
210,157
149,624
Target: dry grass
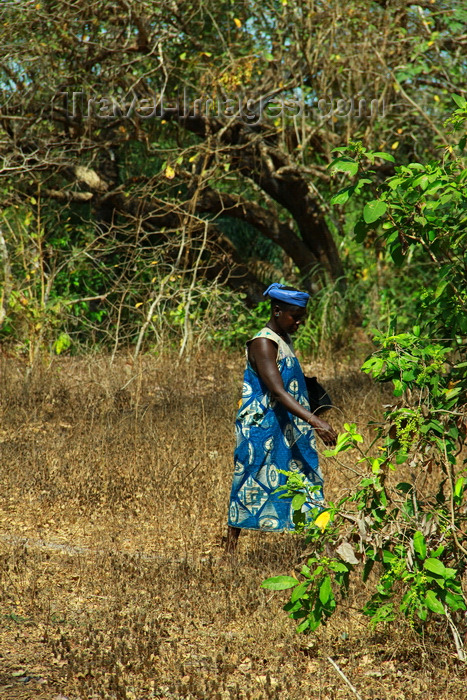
114,489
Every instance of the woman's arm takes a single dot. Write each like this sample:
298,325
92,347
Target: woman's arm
262,353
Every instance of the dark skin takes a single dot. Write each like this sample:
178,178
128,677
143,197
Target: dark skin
262,354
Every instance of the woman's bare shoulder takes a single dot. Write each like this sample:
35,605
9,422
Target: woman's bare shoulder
262,348
262,343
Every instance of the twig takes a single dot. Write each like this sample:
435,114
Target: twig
117,329
146,323
99,297
411,101
344,678
456,636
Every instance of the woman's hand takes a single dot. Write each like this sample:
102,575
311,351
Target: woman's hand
327,433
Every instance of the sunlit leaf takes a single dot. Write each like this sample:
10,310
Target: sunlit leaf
435,566
433,603
279,583
325,590
419,544
374,210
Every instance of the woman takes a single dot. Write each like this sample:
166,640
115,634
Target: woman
274,426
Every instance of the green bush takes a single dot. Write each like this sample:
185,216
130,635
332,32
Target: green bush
418,539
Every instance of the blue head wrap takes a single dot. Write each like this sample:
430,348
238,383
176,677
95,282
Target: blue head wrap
289,296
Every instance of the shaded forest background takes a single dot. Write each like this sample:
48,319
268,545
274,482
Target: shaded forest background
164,161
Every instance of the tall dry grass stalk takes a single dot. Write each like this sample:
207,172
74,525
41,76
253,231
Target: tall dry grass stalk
114,486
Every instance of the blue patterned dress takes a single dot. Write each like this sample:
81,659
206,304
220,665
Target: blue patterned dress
270,438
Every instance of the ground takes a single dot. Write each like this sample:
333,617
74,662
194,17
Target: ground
115,479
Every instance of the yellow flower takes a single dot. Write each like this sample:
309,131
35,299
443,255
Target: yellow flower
322,520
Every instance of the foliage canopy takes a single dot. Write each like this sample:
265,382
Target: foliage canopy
198,136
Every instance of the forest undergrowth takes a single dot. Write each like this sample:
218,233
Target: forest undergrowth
115,479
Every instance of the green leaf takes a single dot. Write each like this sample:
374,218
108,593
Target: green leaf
298,517
397,255
459,487
460,101
388,557
422,180
298,500
344,443
422,613
433,603
338,567
361,182
395,182
343,195
325,590
367,569
360,231
454,601
404,487
384,156
344,165
299,591
449,573
376,465
374,364
374,210
435,566
419,544
292,607
279,583
304,625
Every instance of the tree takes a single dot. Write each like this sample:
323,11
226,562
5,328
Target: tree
178,118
